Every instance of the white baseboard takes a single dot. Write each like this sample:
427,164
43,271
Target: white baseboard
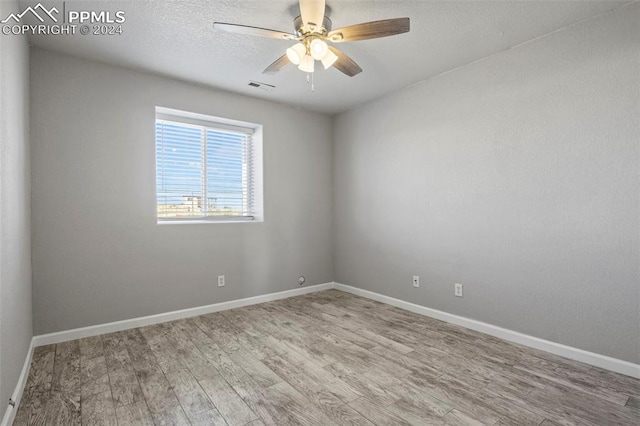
602,361
10,414
591,358
95,330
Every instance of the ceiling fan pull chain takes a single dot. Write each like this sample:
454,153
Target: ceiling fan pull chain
313,87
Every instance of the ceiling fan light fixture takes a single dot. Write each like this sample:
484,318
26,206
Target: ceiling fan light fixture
296,53
306,64
318,48
329,59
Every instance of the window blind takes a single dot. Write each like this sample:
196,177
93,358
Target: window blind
203,171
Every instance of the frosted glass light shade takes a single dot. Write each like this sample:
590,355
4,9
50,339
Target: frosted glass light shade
306,64
329,59
318,49
296,53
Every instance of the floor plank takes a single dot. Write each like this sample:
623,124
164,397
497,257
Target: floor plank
136,413
232,407
63,407
94,377
377,414
192,398
98,409
91,347
161,400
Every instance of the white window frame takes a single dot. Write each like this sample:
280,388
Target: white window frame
253,173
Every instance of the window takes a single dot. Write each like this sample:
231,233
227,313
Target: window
207,168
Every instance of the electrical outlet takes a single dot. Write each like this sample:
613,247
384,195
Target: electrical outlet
220,280
416,281
457,290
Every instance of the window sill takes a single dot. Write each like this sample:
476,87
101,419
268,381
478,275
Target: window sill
206,222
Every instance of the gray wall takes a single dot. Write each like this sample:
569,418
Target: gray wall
516,176
15,210
99,255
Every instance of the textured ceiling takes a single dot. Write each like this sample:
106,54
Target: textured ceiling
176,38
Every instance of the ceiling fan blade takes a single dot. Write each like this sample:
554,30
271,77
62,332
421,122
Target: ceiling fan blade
254,31
277,65
312,12
345,64
369,30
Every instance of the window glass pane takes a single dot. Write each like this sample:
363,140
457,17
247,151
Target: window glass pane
179,170
226,165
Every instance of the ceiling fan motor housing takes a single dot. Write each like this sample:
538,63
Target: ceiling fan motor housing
300,27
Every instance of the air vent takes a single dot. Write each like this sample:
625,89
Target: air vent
263,86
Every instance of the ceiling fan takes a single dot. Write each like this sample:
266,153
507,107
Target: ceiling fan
312,32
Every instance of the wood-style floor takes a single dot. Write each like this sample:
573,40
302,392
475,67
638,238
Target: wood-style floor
321,359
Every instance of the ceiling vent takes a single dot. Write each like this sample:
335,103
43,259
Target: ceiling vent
263,86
